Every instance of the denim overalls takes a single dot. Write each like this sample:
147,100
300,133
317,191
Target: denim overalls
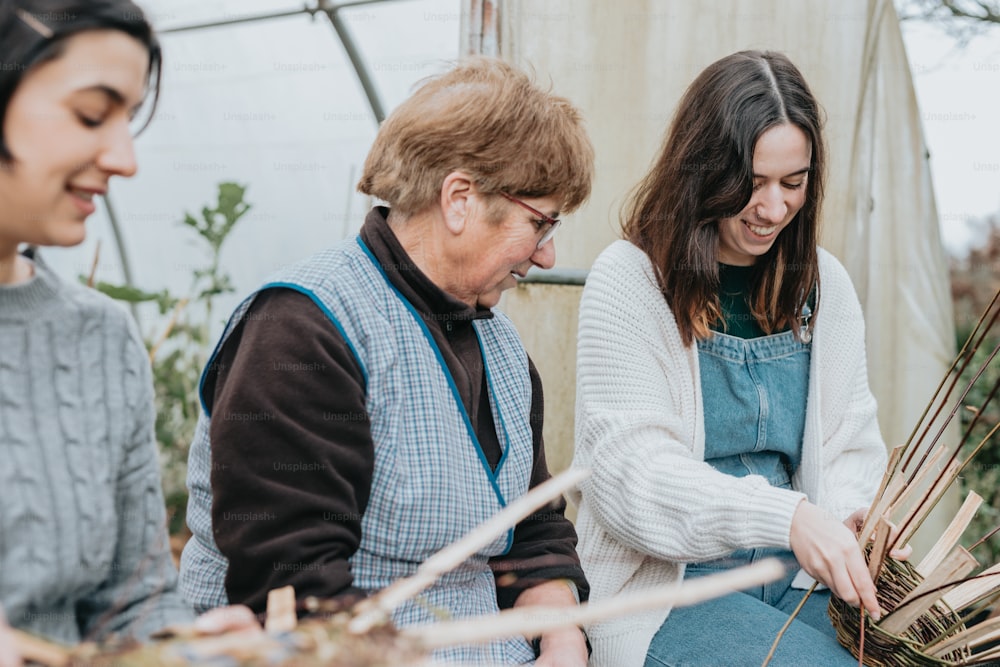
754,395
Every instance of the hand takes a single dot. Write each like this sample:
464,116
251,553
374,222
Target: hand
856,522
563,648
9,656
234,618
829,552
559,648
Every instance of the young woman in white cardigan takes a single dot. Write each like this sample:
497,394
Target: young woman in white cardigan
722,391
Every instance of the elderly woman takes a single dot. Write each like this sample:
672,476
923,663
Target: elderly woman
367,407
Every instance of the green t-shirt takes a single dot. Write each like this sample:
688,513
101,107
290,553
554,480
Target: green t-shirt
734,297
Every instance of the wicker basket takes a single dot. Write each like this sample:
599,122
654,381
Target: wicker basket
883,649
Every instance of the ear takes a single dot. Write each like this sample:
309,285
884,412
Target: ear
456,190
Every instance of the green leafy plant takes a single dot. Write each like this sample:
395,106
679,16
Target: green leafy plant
983,473
974,280
179,352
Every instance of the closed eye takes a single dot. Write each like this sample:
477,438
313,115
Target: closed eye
87,121
794,186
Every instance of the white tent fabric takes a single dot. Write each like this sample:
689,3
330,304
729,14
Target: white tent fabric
275,105
626,64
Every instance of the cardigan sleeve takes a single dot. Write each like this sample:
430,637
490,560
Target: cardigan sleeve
854,453
637,428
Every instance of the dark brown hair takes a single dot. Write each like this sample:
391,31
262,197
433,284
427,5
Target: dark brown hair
34,31
704,173
487,118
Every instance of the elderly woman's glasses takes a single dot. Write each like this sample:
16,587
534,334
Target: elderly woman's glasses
546,225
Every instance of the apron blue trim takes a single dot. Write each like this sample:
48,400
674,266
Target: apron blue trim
503,426
447,374
315,299
204,374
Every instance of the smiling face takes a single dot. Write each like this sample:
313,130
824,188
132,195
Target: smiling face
67,127
781,162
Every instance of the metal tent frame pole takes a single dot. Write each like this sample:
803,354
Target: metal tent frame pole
340,27
331,10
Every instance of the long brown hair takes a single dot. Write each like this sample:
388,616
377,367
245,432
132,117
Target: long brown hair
704,173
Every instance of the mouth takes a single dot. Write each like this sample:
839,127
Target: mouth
83,198
761,231
86,194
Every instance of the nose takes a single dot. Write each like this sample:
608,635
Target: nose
545,257
117,156
771,206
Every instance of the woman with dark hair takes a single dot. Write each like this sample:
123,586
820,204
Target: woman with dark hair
722,392
84,552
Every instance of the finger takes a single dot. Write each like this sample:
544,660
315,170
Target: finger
9,657
226,619
862,582
843,587
8,654
856,521
902,553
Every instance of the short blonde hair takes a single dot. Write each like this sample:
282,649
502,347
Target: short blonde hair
488,119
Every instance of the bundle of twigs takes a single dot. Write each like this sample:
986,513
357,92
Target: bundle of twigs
363,635
929,606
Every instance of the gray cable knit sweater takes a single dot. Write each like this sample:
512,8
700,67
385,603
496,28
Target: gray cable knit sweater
83,543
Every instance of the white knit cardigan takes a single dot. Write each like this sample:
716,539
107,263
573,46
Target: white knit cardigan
652,504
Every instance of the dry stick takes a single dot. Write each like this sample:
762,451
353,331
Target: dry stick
962,620
922,516
93,265
376,609
958,358
913,485
170,326
949,538
281,616
984,658
861,640
944,483
894,457
984,538
968,388
896,487
985,631
990,434
535,621
791,617
973,589
910,599
930,498
916,514
882,532
958,564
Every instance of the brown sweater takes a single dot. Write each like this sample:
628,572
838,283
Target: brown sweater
304,465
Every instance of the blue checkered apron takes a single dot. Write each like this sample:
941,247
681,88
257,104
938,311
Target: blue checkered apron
431,482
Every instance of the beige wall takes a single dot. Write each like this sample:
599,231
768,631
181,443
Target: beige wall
546,317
